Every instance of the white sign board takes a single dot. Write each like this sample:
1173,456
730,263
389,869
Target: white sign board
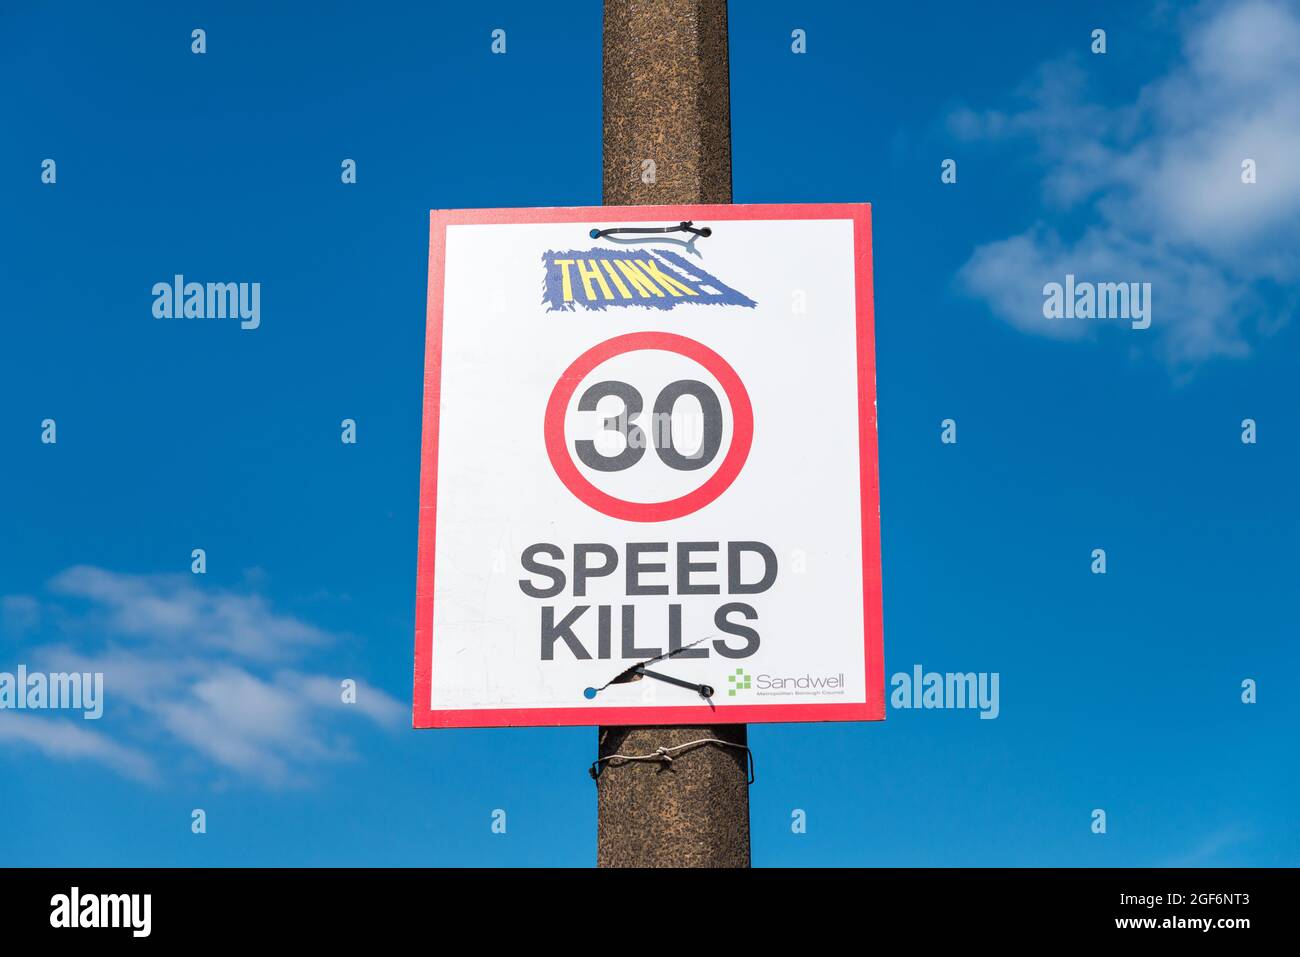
654,449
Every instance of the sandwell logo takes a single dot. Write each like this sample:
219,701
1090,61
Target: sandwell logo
739,682
655,279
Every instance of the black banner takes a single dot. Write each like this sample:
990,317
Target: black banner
433,908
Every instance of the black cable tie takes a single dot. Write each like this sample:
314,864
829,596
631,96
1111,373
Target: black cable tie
704,691
685,226
631,673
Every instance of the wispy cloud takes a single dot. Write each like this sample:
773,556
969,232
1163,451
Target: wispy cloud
71,741
1157,183
163,609
18,614
1209,849
208,671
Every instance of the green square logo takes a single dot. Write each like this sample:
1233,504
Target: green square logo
739,682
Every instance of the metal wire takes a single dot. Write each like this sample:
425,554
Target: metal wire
665,756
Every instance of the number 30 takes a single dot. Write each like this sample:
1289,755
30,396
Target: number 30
661,426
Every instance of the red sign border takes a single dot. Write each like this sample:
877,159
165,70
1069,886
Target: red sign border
873,709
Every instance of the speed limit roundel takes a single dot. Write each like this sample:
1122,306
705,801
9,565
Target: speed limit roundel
705,444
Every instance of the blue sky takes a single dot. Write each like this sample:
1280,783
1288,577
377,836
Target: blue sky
1120,692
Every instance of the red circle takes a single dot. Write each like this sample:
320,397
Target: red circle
742,432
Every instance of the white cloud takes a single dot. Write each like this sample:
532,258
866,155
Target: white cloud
195,668
1158,182
172,608
62,739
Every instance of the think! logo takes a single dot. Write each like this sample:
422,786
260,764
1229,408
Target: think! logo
739,682
658,279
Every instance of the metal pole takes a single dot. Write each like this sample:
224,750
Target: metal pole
667,139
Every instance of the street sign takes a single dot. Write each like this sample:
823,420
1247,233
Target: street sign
649,487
